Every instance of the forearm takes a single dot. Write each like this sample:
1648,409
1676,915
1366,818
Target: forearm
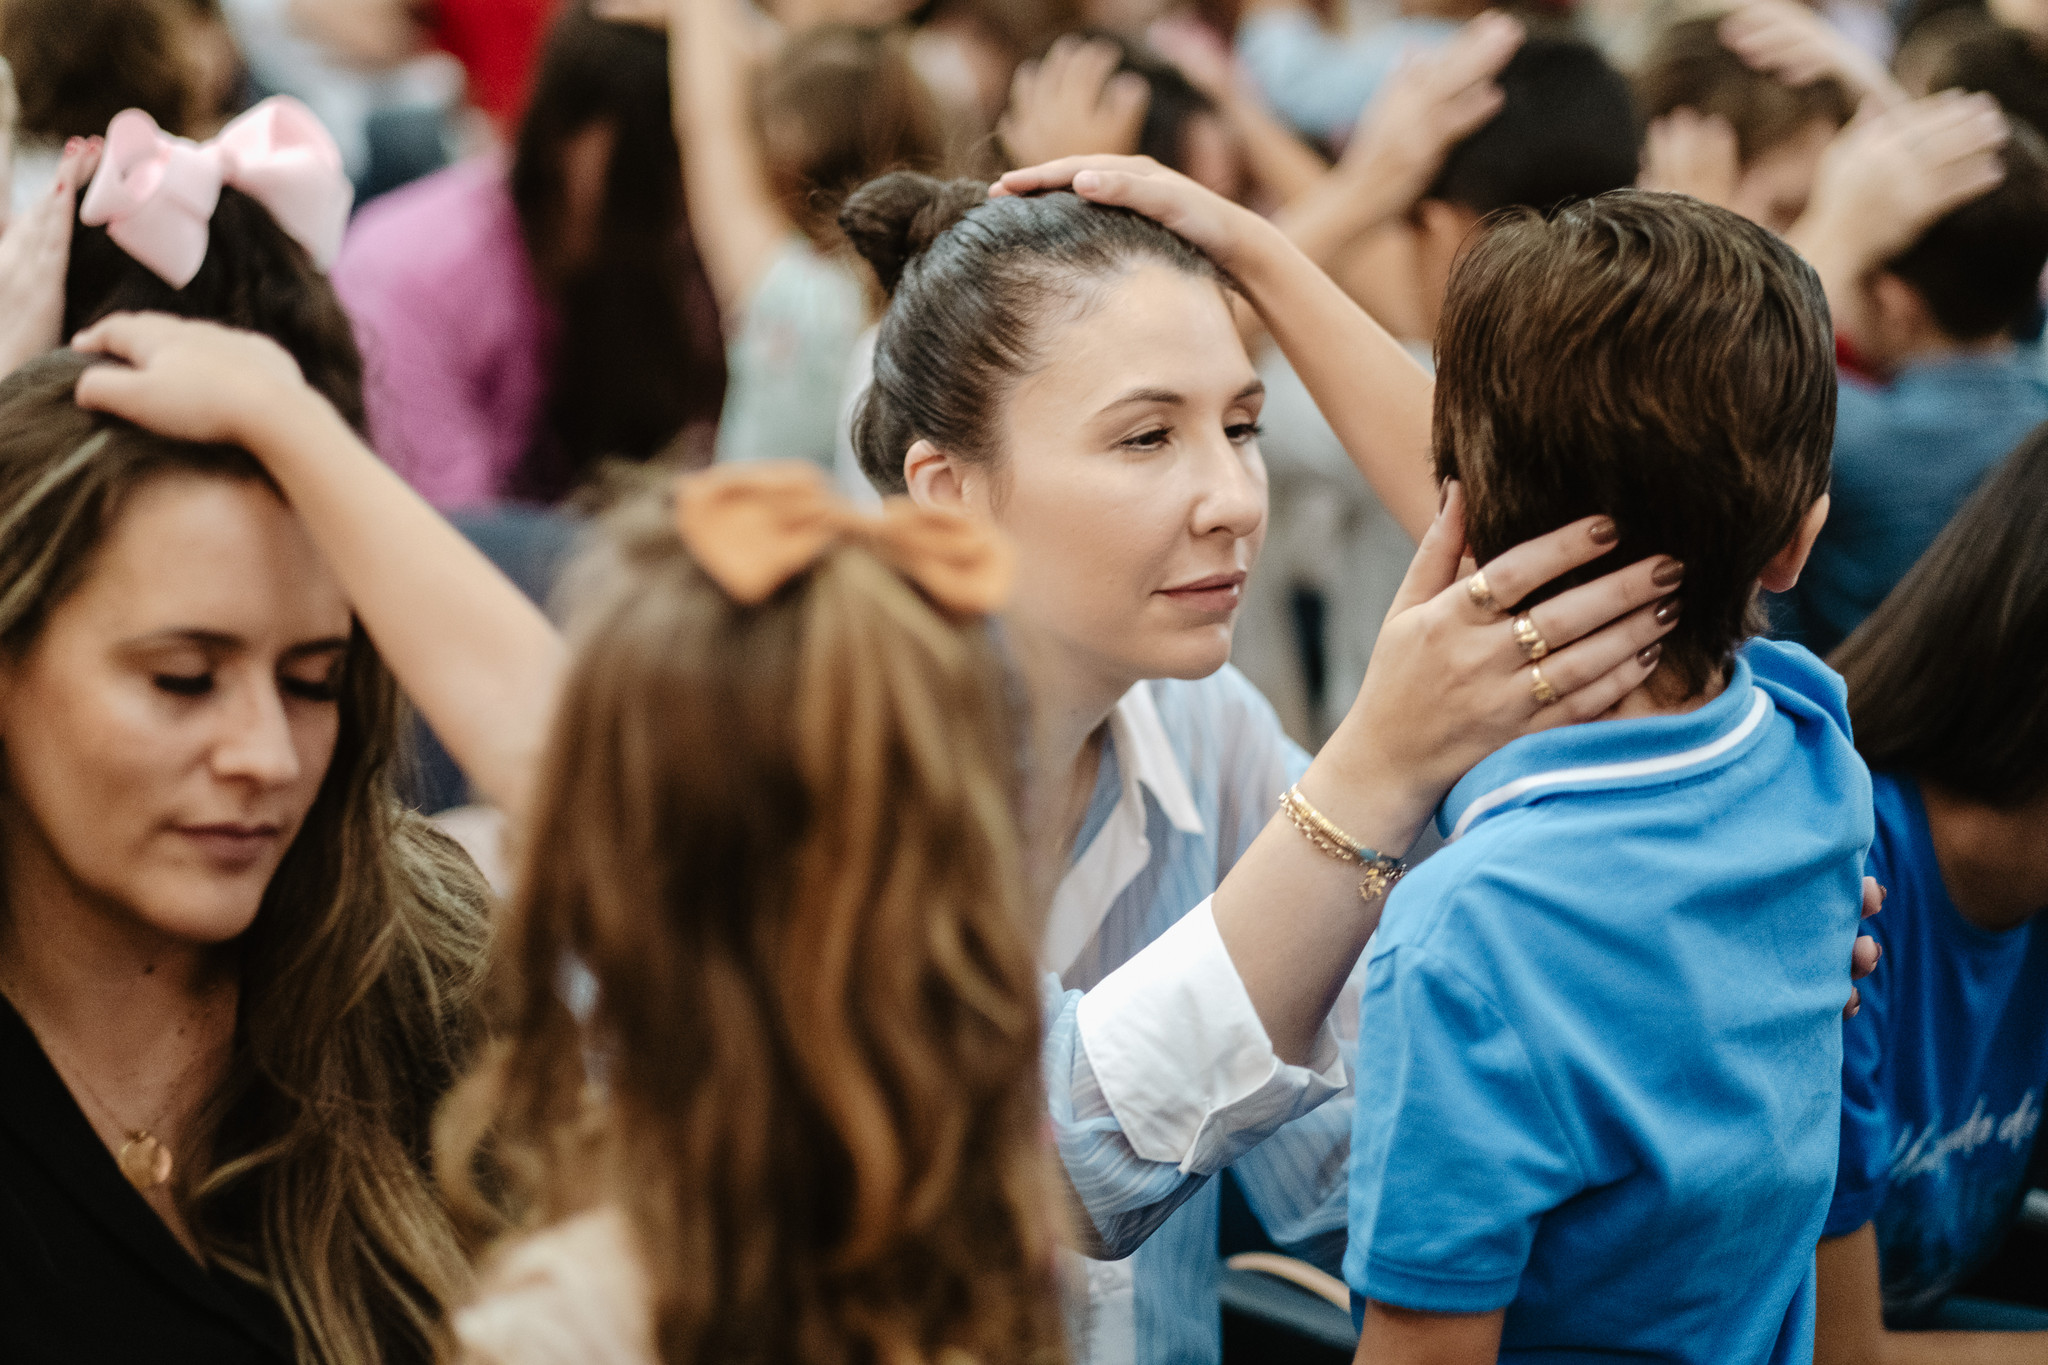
1370,390
737,225
1292,917
480,661
1334,214
1284,166
1844,275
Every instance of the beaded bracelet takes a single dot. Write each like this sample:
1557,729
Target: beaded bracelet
1381,870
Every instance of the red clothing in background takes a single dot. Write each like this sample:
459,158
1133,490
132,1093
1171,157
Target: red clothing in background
497,42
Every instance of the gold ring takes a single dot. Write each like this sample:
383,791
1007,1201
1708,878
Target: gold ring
1481,595
1534,646
1540,686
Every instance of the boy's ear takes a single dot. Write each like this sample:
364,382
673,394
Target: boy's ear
1781,574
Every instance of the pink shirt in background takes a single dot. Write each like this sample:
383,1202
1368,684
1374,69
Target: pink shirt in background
457,341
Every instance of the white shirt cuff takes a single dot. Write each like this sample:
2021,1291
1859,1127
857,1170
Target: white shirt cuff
1183,1060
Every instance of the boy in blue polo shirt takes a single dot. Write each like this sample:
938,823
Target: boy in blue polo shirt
1598,1120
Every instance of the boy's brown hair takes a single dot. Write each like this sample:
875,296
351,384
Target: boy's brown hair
1690,67
1650,357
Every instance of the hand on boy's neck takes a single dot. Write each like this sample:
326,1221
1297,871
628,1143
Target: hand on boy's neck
1994,861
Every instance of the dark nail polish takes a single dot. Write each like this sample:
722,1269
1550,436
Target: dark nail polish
1648,655
1667,610
1668,573
1604,531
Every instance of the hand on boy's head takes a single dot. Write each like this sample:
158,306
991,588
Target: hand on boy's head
1892,173
1434,101
192,381
1074,103
1799,47
1693,153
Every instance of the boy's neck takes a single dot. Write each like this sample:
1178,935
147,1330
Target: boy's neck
1665,695
1935,347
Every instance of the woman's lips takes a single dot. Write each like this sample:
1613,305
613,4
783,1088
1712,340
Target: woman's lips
1216,593
232,847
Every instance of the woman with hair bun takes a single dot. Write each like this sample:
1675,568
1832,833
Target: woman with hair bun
1074,375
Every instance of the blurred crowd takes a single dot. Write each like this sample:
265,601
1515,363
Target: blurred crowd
533,298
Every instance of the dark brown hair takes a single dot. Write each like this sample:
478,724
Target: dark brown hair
359,978
972,282
1948,678
838,106
640,357
781,838
255,277
80,62
1567,129
1978,269
1689,67
1653,358
2009,64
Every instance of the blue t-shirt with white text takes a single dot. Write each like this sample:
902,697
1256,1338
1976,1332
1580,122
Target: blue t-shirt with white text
1603,1070
1942,1076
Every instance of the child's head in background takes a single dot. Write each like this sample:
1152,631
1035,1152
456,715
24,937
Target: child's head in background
1567,129
1780,129
1658,360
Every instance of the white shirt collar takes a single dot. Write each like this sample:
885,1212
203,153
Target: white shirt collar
1120,850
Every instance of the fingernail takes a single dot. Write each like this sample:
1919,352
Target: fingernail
1648,655
1668,573
1883,893
1604,531
1880,952
1667,610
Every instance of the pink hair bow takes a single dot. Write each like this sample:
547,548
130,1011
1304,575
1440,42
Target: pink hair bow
155,193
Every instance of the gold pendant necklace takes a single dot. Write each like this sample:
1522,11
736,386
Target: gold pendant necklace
144,1160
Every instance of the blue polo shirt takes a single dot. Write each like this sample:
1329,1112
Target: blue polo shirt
1943,1074
1907,455
1600,1059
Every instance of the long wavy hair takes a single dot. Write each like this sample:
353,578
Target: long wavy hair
781,839
360,976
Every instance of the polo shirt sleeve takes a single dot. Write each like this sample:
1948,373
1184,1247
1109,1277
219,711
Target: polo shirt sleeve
1457,1149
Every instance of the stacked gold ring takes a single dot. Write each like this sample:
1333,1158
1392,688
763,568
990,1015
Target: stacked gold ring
1534,646
1540,686
1482,595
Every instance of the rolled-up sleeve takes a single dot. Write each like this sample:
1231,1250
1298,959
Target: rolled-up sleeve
1182,1059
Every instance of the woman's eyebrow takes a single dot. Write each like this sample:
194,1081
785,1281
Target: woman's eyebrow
333,644
1167,397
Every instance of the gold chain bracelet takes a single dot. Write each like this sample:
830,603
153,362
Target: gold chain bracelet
1381,870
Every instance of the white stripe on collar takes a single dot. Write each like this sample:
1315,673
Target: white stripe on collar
1611,772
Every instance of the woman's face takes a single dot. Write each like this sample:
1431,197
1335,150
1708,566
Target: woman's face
1132,481
167,731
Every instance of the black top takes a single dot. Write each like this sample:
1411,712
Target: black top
88,1272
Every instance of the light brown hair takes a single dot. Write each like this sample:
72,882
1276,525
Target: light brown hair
1650,357
781,841
359,977
1689,67
80,62
838,106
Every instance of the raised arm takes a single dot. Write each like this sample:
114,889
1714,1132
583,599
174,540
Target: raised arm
736,222
480,661
1884,181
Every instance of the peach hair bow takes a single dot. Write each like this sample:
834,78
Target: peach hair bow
155,193
753,527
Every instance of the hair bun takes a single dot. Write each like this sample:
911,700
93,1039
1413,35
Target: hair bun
893,218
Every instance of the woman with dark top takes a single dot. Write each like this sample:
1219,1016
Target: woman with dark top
237,975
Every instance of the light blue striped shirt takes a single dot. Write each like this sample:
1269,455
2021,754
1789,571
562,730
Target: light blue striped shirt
1191,772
